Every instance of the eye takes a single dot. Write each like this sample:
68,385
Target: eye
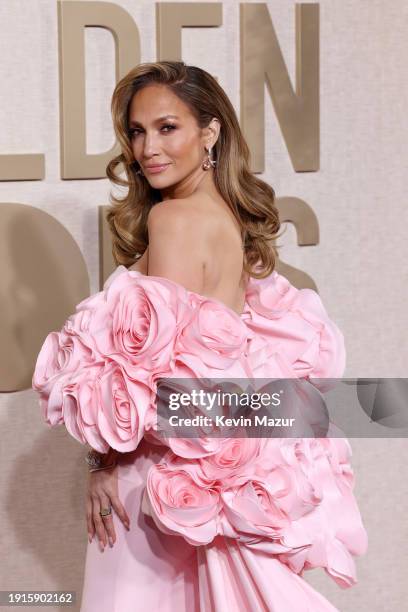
132,132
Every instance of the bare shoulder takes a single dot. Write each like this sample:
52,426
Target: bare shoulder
182,219
208,220
178,212
196,242
176,246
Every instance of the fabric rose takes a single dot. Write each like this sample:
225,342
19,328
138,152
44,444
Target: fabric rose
288,497
162,383
101,406
193,448
60,354
333,528
251,510
300,455
215,338
270,297
265,359
235,457
335,531
299,334
120,405
268,506
179,501
87,315
145,313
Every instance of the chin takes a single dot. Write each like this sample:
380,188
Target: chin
155,182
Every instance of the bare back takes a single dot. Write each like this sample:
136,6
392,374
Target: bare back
223,269
223,277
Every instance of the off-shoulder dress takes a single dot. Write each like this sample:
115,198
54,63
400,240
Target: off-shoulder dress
217,525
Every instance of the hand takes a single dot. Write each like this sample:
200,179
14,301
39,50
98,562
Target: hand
102,493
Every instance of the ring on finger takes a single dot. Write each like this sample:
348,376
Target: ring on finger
105,511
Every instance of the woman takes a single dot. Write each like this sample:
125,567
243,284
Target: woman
192,240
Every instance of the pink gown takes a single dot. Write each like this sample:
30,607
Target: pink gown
215,525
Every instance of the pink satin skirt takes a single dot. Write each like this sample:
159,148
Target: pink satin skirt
149,570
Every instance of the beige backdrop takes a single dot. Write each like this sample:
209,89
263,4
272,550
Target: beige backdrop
359,266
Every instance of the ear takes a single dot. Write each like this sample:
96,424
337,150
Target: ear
211,132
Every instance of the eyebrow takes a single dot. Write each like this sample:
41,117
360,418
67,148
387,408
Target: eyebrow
157,120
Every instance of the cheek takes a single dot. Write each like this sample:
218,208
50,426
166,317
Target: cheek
136,148
181,148
178,147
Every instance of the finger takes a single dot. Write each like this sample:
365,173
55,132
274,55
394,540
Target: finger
99,525
89,519
120,510
108,520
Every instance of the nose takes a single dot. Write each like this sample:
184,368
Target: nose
150,145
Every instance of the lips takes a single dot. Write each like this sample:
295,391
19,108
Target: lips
156,168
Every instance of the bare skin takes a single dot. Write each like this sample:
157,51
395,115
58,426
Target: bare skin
190,191
103,491
194,238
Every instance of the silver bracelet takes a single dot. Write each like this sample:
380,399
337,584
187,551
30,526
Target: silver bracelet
95,462
93,459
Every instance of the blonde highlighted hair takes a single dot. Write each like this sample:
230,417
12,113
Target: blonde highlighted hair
251,200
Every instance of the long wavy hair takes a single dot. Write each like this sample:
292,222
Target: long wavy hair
251,200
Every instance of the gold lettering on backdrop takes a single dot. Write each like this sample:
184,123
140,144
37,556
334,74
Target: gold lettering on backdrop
73,17
43,277
171,17
262,62
302,216
57,275
22,167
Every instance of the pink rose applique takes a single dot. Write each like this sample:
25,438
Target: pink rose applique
179,502
216,335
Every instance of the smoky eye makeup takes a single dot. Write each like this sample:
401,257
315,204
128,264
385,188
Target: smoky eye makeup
166,127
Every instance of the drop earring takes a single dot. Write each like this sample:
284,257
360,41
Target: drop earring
208,163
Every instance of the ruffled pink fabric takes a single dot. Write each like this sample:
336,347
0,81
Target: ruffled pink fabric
287,500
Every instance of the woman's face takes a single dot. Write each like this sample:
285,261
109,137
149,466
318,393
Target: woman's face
163,131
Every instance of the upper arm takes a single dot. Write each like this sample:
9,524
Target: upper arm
176,245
